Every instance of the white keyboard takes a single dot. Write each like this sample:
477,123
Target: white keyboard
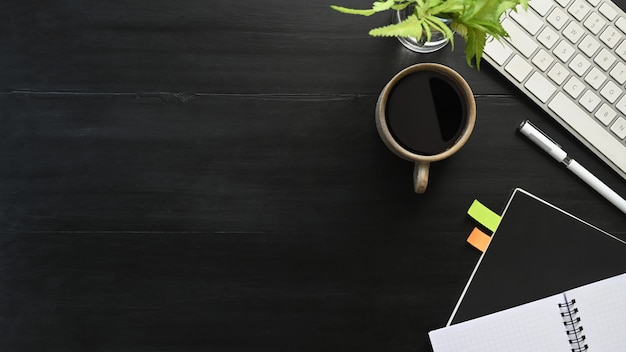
569,56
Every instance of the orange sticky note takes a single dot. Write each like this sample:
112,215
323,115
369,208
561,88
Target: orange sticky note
479,239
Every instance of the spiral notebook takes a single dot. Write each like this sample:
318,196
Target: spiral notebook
537,250
589,318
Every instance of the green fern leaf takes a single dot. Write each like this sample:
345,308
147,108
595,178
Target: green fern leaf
474,46
367,12
442,27
380,6
411,27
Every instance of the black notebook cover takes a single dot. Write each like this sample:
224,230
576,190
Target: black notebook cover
537,250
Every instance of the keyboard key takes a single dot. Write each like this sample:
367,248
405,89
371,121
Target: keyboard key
548,37
564,51
605,114
542,60
573,32
619,128
594,2
590,100
621,50
579,120
518,67
595,23
528,20
499,51
621,24
557,18
558,73
518,37
563,2
579,64
619,73
608,11
611,92
579,9
595,78
589,45
574,87
621,105
610,36
540,87
605,59
541,6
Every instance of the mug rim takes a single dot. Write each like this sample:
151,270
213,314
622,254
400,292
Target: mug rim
381,118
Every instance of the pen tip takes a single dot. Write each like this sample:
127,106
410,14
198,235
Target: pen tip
522,124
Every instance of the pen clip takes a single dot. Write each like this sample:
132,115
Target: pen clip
538,130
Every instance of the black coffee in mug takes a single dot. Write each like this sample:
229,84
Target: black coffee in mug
426,113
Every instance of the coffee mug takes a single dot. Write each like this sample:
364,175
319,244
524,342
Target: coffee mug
425,113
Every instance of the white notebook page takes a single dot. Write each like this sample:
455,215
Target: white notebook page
602,310
536,326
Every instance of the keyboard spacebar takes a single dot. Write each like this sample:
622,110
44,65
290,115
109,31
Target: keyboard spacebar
580,121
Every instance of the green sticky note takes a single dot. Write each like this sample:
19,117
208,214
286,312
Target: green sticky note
484,215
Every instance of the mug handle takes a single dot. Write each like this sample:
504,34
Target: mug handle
420,176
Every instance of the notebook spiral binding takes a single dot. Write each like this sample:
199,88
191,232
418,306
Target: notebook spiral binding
573,326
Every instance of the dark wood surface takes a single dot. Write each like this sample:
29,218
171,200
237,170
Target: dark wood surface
207,176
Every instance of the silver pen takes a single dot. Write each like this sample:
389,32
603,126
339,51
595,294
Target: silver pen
554,150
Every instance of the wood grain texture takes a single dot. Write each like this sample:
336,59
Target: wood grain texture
193,176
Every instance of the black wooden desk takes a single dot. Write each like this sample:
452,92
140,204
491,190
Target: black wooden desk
207,176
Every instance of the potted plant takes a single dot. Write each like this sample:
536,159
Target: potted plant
473,20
